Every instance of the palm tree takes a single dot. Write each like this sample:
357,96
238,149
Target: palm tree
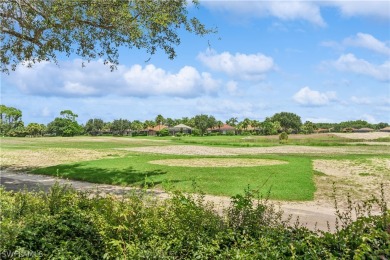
159,120
232,121
245,123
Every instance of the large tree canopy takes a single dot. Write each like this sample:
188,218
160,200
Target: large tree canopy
38,30
287,120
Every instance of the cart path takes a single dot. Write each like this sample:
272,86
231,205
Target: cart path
311,214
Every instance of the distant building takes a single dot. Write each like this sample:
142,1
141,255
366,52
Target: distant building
181,128
363,130
225,129
386,129
152,131
322,130
348,130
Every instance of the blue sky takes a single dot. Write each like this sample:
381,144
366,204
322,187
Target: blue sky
327,61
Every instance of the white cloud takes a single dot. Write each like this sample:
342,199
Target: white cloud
287,11
376,9
361,100
350,63
369,42
155,81
244,66
70,80
362,40
306,96
231,87
294,10
301,10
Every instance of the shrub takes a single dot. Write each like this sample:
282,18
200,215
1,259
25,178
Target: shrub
195,132
230,133
283,138
65,224
163,132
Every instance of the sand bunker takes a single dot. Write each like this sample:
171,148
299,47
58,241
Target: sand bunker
364,136
218,162
360,178
350,168
27,159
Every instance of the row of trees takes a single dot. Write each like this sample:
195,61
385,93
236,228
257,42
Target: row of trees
66,124
283,121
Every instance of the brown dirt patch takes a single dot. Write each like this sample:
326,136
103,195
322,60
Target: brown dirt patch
30,159
286,149
360,178
218,162
363,136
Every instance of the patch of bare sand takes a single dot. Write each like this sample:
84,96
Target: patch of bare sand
363,136
359,178
372,143
218,162
287,149
28,159
80,139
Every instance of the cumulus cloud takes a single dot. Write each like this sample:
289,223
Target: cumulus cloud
70,80
376,9
368,41
301,10
307,97
244,66
155,81
349,63
287,11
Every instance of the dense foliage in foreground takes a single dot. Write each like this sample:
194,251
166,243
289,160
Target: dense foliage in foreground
65,224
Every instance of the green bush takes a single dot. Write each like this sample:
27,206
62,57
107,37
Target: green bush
283,138
65,224
195,132
163,132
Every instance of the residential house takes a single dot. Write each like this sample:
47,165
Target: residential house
225,129
363,130
386,129
152,131
180,128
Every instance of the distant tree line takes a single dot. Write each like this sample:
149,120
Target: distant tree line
66,124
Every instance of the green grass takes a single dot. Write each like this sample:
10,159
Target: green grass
292,181
264,141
